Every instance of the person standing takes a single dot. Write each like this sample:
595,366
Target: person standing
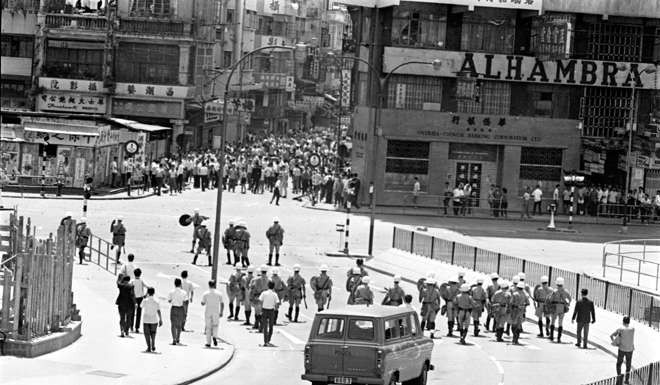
245,294
519,303
140,290
280,289
214,306
415,192
152,319
541,294
479,296
500,304
118,236
395,294
234,293
196,220
204,175
464,304
276,193
241,244
123,170
559,304
584,313
446,197
187,286
82,238
275,235
176,297
524,213
228,243
296,286
457,201
114,172
125,303
204,236
363,293
624,339
537,194
258,286
322,288
269,303
129,267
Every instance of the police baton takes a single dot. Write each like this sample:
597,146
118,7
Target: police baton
305,301
329,299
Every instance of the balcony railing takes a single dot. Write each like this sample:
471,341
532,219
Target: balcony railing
77,22
147,26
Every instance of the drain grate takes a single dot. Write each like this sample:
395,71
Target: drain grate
103,373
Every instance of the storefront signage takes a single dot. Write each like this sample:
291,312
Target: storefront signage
59,139
213,110
273,40
270,80
131,147
477,127
74,85
473,152
159,109
72,102
107,137
517,68
151,90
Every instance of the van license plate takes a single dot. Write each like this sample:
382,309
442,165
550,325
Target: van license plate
342,380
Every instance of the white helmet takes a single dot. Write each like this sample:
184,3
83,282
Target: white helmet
275,271
196,210
296,267
242,224
480,280
397,278
276,219
324,267
544,279
231,223
430,281
263,268
82,220
120,218
465,288
461,274
494,276
560,281
522,276
366,280
515,279
250,269
504,284
520,285
356,270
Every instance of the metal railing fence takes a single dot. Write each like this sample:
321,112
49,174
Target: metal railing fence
646,375
100,248
640,305
639,257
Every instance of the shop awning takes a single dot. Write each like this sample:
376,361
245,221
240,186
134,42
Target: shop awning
61,128
140,126
8,132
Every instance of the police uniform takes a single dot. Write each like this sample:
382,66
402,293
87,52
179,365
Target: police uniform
245,295
363,293
241,244
322,288
518,304
490,291
430,299
279,289
352,283
204,236
235,293
257,286
449,292
228,243
196,221
296,287
82,238
118,236
464,305
479,296
499,308
542,308
559,302
394,296
275,235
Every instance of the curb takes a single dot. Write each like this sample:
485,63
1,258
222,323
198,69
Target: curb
76,198
597,345
211,371
339,254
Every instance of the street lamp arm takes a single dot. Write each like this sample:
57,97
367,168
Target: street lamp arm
363,61
389,74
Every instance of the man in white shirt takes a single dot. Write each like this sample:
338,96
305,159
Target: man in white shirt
656,204
176,297
458,195
538,197
140,289
415,192
152,319
269,303
214,306
187,286
129,267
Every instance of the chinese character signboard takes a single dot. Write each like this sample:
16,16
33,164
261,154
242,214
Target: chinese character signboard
151,90
75,85
213,110
346,88
72,102
59,139
270,80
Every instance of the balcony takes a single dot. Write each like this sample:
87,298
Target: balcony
76,22
157,27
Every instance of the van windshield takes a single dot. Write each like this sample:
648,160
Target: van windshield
361,329
331,328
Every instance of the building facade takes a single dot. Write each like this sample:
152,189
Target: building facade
511,94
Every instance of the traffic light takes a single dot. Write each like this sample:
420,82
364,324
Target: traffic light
87,188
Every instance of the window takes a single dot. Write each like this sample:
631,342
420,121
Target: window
230,16
13,93
226,59
331,328
17,46
361,329
150,8
148,63
75,63
406,160
396,328
481,97
413,92
540,164
543,104
488,30
419,25
413,324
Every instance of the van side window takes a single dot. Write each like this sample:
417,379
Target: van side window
392,330
404,329
361,329
413,324
331,328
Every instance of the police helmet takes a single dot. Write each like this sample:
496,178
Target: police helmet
82,220
545,279
250,269
452,280
494,276
324,267
480,280
560,281
520,285
366,280
504,284
515,279
238,268
430,281
120,218
465,288
263,268
397,278
521,276
296,267
196,210
461,274
276,219
231,223
275,271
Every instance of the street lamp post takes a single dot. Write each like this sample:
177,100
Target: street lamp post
216,233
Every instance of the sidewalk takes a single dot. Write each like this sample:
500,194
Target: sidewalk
108,197
542,220
412,267
101,357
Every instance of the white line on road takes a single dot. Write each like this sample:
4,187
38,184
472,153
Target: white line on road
532,347
500,369
163,275
291,337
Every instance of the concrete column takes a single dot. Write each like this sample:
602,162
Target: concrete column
510,175
184,64
438,159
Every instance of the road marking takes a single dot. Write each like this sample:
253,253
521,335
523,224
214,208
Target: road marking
163,275
532,347
500,369
291,337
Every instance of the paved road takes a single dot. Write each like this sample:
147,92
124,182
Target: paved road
161,247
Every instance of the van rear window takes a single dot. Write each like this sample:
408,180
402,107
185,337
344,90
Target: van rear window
331,328
361,329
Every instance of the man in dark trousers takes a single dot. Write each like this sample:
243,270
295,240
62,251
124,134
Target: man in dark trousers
118,236
584,313
125,302
82,238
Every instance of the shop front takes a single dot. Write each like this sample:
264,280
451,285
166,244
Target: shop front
440,148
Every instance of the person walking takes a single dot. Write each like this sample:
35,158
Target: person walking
140,290
118,236
296,287
125,302
537,194
276,193
559,304
280,289
583,313
363,293
479,296
82,238
322,288
464,304
257,286
196,220
415,192
395,294
114,171
176,297
214,307
241,244
269,304
152,319
234,293
541,294
228,243
624,339
275,235
429,296
129,267
519,303
187,286
204,236
500,304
